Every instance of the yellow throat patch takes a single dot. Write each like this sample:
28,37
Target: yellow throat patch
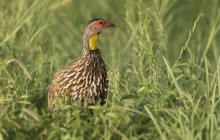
93,42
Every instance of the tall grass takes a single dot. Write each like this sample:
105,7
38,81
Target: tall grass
162,59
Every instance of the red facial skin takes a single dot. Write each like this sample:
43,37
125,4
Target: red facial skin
104,24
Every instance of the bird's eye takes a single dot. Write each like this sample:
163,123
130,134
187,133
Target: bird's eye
100,22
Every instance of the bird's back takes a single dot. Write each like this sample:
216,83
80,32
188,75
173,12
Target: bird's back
85,80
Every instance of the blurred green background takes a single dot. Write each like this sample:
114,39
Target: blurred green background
162,60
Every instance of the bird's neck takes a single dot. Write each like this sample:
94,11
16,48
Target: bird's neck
90,42
93,41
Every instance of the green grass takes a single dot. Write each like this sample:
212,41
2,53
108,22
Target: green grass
163,64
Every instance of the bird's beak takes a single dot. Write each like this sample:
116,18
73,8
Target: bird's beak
112,25
109,24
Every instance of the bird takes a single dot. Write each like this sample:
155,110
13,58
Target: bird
85,80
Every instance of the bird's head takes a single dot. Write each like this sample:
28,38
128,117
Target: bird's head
94,28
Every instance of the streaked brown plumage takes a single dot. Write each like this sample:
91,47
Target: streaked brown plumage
86,79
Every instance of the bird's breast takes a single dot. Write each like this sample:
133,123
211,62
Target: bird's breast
86,78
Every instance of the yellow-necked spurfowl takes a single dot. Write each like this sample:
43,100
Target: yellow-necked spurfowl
85,80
